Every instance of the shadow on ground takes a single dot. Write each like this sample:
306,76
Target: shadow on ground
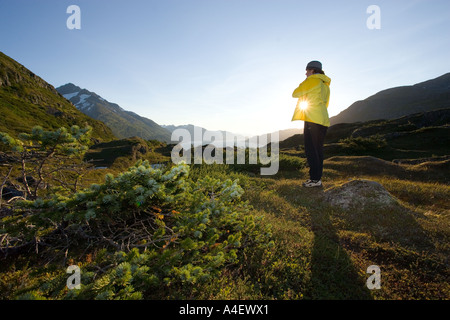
333,275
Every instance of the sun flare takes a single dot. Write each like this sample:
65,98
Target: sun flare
303,105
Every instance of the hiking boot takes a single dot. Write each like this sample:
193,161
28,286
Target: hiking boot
312,183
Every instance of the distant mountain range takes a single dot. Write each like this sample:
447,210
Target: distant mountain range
199,135
400,101
26,100
126,124
123,123
191,128
283,134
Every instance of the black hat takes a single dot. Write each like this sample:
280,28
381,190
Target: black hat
314,65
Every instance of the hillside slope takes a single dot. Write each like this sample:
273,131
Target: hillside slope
26,100
419,135
123,123
400,101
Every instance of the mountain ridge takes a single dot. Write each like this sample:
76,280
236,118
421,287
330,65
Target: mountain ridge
399,101
123,123
27,100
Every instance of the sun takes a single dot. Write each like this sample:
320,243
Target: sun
303,105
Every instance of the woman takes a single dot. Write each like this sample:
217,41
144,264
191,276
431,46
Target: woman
313,97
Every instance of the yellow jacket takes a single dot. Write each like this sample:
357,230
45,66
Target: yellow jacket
313,98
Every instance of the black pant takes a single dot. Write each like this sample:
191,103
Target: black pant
314,135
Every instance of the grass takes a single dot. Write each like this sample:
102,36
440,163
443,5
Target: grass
321,251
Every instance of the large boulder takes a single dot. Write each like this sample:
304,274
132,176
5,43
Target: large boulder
360,194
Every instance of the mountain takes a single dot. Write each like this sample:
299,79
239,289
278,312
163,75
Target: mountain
283,134
26,100
197,139
419,135
124,124
400,101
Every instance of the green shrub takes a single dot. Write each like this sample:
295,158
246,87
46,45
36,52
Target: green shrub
360,144
47,160
157,234
291,163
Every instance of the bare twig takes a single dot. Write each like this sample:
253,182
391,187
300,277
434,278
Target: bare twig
15,198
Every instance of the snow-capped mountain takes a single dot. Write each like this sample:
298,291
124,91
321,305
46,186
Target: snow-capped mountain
124,124
27,100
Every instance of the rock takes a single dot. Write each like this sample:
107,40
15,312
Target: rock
360,194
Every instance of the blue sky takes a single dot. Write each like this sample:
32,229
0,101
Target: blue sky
226,64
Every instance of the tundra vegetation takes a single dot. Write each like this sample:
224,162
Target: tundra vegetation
140,227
